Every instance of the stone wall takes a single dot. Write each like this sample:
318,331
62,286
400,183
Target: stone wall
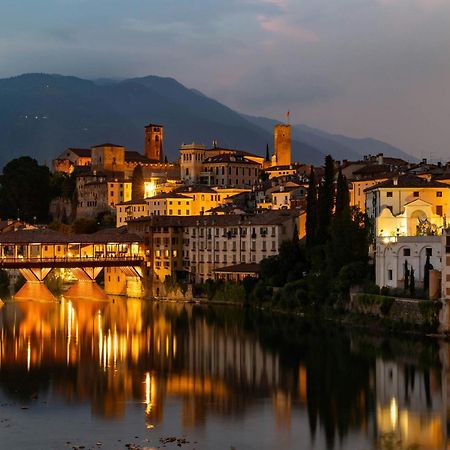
424,314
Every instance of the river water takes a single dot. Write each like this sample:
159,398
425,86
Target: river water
136,374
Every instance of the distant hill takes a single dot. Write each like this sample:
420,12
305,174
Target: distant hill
341,147
41,115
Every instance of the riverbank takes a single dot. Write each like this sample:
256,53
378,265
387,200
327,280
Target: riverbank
380,314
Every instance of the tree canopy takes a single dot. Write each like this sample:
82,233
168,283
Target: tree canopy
25,190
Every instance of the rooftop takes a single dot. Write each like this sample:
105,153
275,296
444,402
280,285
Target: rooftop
407,181
194,188
107,144
173,194
272,217
240,268
81,152
48,236
228,158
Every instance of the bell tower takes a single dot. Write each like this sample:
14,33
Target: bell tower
153,144
282,138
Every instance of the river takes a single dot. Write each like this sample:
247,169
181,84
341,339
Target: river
135,374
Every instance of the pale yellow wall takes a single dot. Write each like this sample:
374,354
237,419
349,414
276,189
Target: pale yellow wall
402,196
118,192
357,194
170,206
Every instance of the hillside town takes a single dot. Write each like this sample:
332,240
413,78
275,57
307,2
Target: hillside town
216,214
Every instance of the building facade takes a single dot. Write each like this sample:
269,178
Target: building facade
393,253
407,206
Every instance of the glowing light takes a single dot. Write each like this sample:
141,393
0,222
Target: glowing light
150,188
394,412
28,355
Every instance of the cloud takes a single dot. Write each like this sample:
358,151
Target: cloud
428,5
281,26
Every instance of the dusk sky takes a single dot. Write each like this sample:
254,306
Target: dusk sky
378,68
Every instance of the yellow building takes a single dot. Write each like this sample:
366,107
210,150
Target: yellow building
357,194
119,191
169,204
203,198
408,206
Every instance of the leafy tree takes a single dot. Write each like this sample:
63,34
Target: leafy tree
137,184
83,225
25,190
311,209
62,185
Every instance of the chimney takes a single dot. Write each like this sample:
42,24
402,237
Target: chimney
380,158
395,181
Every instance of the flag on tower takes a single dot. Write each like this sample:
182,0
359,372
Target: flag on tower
287,116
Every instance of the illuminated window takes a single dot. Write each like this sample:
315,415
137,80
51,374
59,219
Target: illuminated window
439,194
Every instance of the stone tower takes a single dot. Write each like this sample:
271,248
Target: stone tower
153,145
282,139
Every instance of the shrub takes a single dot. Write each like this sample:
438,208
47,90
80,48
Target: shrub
430,313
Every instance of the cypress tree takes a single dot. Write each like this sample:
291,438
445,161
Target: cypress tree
137,184
406,275
267,153
326,201
426,274
412,283
342,194
311,209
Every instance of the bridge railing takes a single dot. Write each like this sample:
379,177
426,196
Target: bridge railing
86,258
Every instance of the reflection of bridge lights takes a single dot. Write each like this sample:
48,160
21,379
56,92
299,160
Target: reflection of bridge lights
394,412
28,355
149,395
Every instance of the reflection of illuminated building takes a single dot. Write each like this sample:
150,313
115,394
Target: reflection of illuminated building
128,349
410,404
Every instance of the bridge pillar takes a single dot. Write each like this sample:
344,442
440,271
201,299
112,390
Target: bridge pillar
87,273
124,281
34,290
35,274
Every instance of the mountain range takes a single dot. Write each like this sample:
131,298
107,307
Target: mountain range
42,114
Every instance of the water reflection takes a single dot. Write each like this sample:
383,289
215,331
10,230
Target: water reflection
319,386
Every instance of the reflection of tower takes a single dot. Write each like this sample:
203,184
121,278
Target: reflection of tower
282,140
153,145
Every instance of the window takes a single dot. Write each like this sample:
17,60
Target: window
429,251
439,211
406,252
388,194
416,193
390,274
439,194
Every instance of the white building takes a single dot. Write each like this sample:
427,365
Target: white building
392,252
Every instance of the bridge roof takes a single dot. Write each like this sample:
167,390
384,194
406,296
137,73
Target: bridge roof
47,236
